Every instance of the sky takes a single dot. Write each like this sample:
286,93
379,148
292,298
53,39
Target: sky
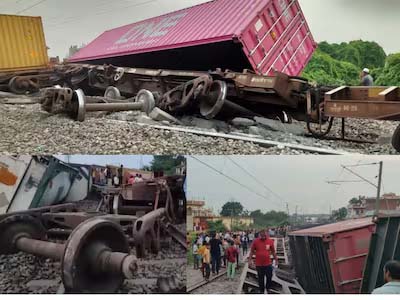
297,180
129,161
74,22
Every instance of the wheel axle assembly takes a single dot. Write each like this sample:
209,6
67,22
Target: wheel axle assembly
94,259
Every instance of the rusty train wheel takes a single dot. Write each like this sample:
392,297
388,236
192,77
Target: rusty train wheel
396,139
19,85
18,226
85,243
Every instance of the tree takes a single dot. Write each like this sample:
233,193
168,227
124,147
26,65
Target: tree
340,214
389,75
216,226
232,209
372,54
341,64
326,70
269,219
165,163
355,201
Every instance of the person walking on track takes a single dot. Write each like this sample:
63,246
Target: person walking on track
231,254
215,250
207,261
262,248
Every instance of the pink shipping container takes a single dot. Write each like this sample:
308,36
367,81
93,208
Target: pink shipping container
330,259
261,35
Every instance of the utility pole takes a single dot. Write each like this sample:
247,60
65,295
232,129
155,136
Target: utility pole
296,215
377,207
287,210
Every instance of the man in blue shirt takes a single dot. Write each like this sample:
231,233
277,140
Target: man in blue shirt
392,277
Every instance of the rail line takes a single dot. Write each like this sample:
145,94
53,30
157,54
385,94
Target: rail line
175,233
282,281
196,286
258,141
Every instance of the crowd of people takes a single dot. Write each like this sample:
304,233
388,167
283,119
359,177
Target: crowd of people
106,176
214,251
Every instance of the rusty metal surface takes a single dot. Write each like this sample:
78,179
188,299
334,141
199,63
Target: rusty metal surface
330,259
40,248
75,272
321,231
175,233
380,103
146,232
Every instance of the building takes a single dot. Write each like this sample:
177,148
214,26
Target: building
365,206
198,217
230,222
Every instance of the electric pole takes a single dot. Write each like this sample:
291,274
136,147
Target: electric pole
377,207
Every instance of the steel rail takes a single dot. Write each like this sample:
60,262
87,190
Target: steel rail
204,282
258,141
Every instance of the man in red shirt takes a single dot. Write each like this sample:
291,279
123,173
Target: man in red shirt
262,248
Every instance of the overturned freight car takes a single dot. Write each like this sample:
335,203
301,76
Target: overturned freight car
261,35
330,259
29,182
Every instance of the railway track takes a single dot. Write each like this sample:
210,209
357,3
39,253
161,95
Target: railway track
258,141
191,289
283,282
175,233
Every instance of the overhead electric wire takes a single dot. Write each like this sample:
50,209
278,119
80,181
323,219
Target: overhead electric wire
230,178
30,7
257,180
56,26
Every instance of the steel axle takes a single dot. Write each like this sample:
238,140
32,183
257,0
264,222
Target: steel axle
94,259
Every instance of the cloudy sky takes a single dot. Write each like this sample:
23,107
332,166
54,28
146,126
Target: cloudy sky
297,180
73,22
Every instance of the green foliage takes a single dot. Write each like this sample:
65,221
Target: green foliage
165,163
355,201
270,219
341,64
325,70
216,226
340,214
371,54
232,208
389,75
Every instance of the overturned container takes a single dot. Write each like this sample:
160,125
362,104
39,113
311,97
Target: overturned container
385,246
28,182
260,35
22,44
330,259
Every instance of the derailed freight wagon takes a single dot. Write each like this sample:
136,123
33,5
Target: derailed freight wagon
260,35
385,246
330,259
28,182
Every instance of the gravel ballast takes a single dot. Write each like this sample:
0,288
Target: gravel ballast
26,129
